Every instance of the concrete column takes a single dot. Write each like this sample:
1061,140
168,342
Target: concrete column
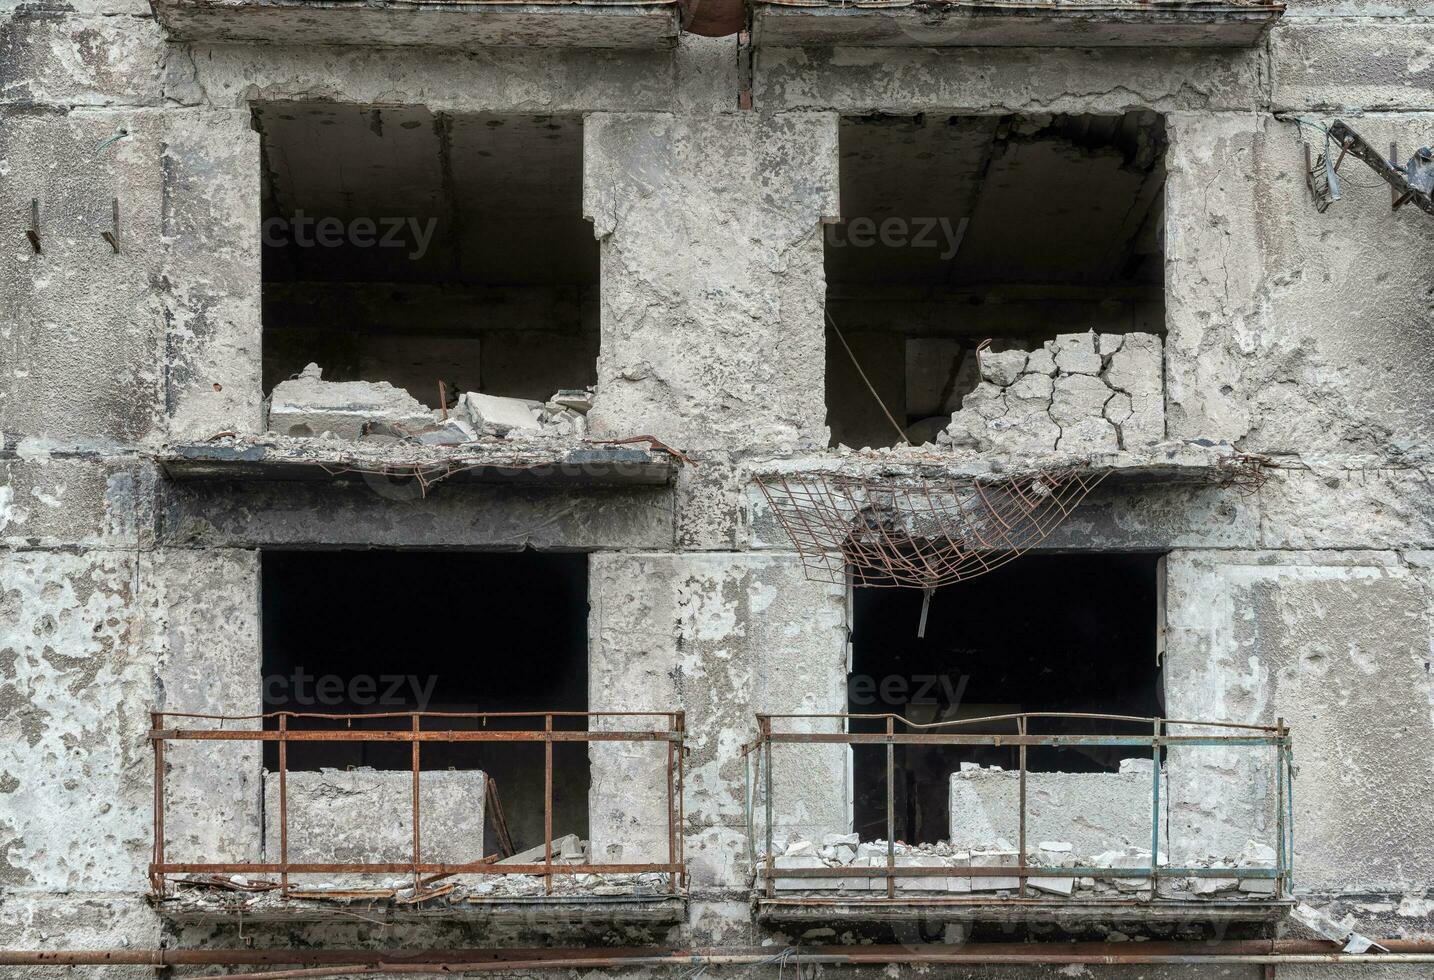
721,636
1336,643
712,284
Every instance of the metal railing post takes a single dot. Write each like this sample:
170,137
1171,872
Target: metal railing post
417,878
548,805
156,877
1021,828
890,808
284,805
1155,810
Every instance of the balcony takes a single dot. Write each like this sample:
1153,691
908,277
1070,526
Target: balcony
396,845
1069,848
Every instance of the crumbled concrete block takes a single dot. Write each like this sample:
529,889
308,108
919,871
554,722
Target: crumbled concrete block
1078,398
800,848
1137,370
1002,368
1108,343
577,399
923,883
535,855
1075,353
1209,886
851,839
308,405
1257,886
495,411
449,432
993,858
1141,766
789,861
1056,846
364,815
1118,410
1041,361
1053,886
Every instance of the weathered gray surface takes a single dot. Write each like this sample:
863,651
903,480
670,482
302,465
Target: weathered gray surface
1286,332
1093,812
323,805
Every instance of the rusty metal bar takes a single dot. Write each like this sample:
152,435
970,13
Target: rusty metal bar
1001,741
156,879
1155,810
1087,716
671,806
401,735
283,805
766,726
1030,871
890,807
1021,828
496,815
1280,812
548,805
481,867
681,798
417,877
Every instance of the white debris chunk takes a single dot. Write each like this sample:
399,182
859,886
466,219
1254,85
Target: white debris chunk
1075,353
498,412
308,405
1002,368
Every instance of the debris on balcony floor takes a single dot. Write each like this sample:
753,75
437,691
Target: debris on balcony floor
846,851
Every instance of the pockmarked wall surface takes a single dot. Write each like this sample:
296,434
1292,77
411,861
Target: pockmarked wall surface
1303,337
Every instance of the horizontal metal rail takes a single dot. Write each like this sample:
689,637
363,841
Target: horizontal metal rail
757,766
163,730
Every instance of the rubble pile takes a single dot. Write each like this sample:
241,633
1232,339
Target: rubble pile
1079,393
847,851
307,406
237,892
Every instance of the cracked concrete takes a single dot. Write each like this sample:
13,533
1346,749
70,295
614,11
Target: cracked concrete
1302,336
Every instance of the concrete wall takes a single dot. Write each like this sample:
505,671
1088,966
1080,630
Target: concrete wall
1300,335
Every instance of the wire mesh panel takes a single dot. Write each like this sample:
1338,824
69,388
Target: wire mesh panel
919,532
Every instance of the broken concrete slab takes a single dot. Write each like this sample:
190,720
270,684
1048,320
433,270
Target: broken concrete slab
495,411
535,855
309,406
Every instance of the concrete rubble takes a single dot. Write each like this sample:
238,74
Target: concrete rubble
1079,393
308,406
797,852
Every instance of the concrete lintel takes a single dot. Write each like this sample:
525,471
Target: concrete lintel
586,467
405,23
958,24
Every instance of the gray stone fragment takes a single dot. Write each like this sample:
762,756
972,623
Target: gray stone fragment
1041,361
1078,397
308,405
1076,353
1002,367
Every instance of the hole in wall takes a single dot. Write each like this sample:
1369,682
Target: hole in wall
413,247
961,229
382,631
1066,633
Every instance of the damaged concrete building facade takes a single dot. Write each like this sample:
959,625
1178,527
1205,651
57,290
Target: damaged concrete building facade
643,486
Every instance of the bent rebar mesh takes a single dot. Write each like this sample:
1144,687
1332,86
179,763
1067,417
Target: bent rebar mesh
919,532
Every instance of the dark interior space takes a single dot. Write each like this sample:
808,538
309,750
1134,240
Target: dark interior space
384,631
455,249
1068,633
961,229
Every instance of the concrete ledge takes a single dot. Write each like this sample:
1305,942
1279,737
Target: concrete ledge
555,912
404,23
958,24
1014,910
332,460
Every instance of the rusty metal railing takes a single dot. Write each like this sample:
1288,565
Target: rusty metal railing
757,765
165,729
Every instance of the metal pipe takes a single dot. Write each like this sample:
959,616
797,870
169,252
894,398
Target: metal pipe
477,960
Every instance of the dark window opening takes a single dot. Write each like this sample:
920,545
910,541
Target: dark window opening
962,229
413,247
1067,633
384,631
